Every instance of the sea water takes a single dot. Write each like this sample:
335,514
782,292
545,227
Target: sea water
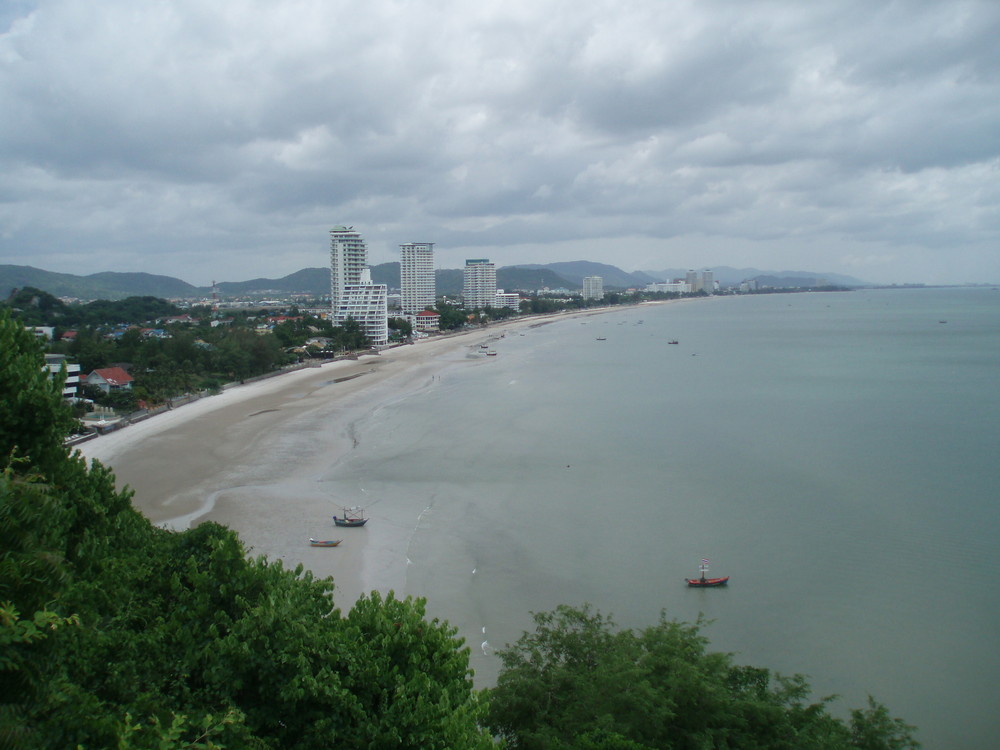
836,454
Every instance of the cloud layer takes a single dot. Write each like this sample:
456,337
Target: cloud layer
222,140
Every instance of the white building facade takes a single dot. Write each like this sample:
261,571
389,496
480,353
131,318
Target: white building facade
668,286
692,281
416,276
511,300
348,258
367,304
54,363
479,284
707,281
593,287
352,293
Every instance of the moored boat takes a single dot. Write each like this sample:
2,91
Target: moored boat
324,542
352,517
704,582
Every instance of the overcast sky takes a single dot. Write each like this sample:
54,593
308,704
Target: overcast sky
222,140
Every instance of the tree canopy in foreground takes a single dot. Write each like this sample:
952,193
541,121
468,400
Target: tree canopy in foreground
118,634
579,682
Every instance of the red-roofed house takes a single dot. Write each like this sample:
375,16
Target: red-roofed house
110,379
427,321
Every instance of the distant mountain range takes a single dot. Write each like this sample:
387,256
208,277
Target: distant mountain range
316,281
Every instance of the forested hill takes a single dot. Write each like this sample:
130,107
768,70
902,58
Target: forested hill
309,281
316,281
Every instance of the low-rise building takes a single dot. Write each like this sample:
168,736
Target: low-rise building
507,299
54,363
425,321
110,379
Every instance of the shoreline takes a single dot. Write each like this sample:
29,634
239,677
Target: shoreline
255,458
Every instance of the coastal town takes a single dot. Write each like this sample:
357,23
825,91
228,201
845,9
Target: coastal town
125,361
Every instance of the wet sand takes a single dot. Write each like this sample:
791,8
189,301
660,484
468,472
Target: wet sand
259,458
255,457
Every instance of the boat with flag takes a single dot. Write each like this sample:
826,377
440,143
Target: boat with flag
703,581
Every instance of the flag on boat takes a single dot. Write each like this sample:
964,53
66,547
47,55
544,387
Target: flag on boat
704,561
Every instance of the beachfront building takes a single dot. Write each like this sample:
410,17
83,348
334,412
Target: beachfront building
593,287
707,282
511,300
668,286
110,379
692,281
367,304
416,276
348,258
479,284
352,293
426,321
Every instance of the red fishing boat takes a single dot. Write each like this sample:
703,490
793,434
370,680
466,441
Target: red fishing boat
704,582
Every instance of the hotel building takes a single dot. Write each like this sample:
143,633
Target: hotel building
352,293
593,287
479,287
416,276
348,258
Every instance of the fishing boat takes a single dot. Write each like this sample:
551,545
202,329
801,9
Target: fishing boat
324,542
352,517
704,582
491,353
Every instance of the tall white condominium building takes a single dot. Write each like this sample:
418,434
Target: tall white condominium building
416,276
707,282
367,303
348,258
479,287
593,287
692,281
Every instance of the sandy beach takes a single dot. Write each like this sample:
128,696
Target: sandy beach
255,457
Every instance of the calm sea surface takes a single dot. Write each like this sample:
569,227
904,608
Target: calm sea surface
837,454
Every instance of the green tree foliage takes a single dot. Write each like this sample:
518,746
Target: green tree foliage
115,633
401,326
452,316
33,417
579,682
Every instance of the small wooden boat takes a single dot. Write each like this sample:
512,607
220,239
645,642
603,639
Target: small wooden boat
352,517
704,582
673,342
491,353
324,542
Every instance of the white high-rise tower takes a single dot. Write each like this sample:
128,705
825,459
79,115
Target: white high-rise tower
352,293
479,287
416,276
593,287
348,258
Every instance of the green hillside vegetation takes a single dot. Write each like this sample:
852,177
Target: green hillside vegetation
118,634
104,285
310,281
